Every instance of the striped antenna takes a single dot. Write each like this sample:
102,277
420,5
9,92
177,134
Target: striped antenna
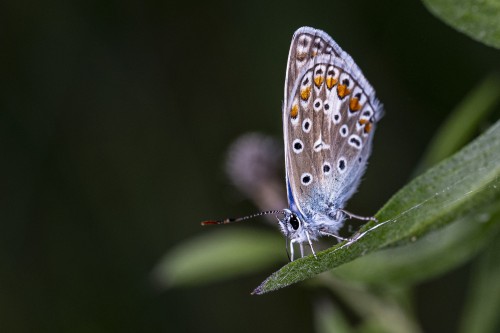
239,219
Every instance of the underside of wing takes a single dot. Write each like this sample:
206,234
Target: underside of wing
329,117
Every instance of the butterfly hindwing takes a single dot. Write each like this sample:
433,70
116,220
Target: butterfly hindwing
329,117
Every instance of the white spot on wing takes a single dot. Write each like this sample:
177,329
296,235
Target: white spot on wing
367,112
318,104
306,178
336,117
319,145
327,168
341,164
344,130
306,125
297,146
355,141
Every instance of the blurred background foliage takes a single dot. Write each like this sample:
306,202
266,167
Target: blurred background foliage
115,118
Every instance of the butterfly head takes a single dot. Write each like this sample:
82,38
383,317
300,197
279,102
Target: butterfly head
291,225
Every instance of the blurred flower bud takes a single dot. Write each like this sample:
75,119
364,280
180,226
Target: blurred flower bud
254,165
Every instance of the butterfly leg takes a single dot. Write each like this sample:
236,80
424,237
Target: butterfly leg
310,244
339,238
301,250
291,250
357,217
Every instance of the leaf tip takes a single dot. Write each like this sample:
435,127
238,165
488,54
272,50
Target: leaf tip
257,291
160,280
262,288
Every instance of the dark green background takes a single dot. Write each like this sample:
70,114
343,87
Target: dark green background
114,121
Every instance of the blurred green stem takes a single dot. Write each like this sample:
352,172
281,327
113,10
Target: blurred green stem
462,123
390,313
482,305
329,318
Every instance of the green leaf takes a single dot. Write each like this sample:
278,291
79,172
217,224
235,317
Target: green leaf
463,122
483,301
465,183
430,256
479,19
219,255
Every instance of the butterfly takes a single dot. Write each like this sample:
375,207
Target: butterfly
330,112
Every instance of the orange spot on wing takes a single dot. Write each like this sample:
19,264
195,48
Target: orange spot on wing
301,56
318,81
363,121
354,104
330,82
342,91
294,112
305,93
368,127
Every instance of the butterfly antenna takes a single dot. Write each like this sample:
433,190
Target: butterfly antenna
239,219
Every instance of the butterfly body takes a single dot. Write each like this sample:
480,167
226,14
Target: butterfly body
329,115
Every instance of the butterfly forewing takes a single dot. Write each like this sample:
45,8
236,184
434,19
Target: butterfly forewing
329,117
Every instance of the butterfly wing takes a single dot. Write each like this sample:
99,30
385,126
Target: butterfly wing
329,116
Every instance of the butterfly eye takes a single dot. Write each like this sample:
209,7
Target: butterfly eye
294,222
